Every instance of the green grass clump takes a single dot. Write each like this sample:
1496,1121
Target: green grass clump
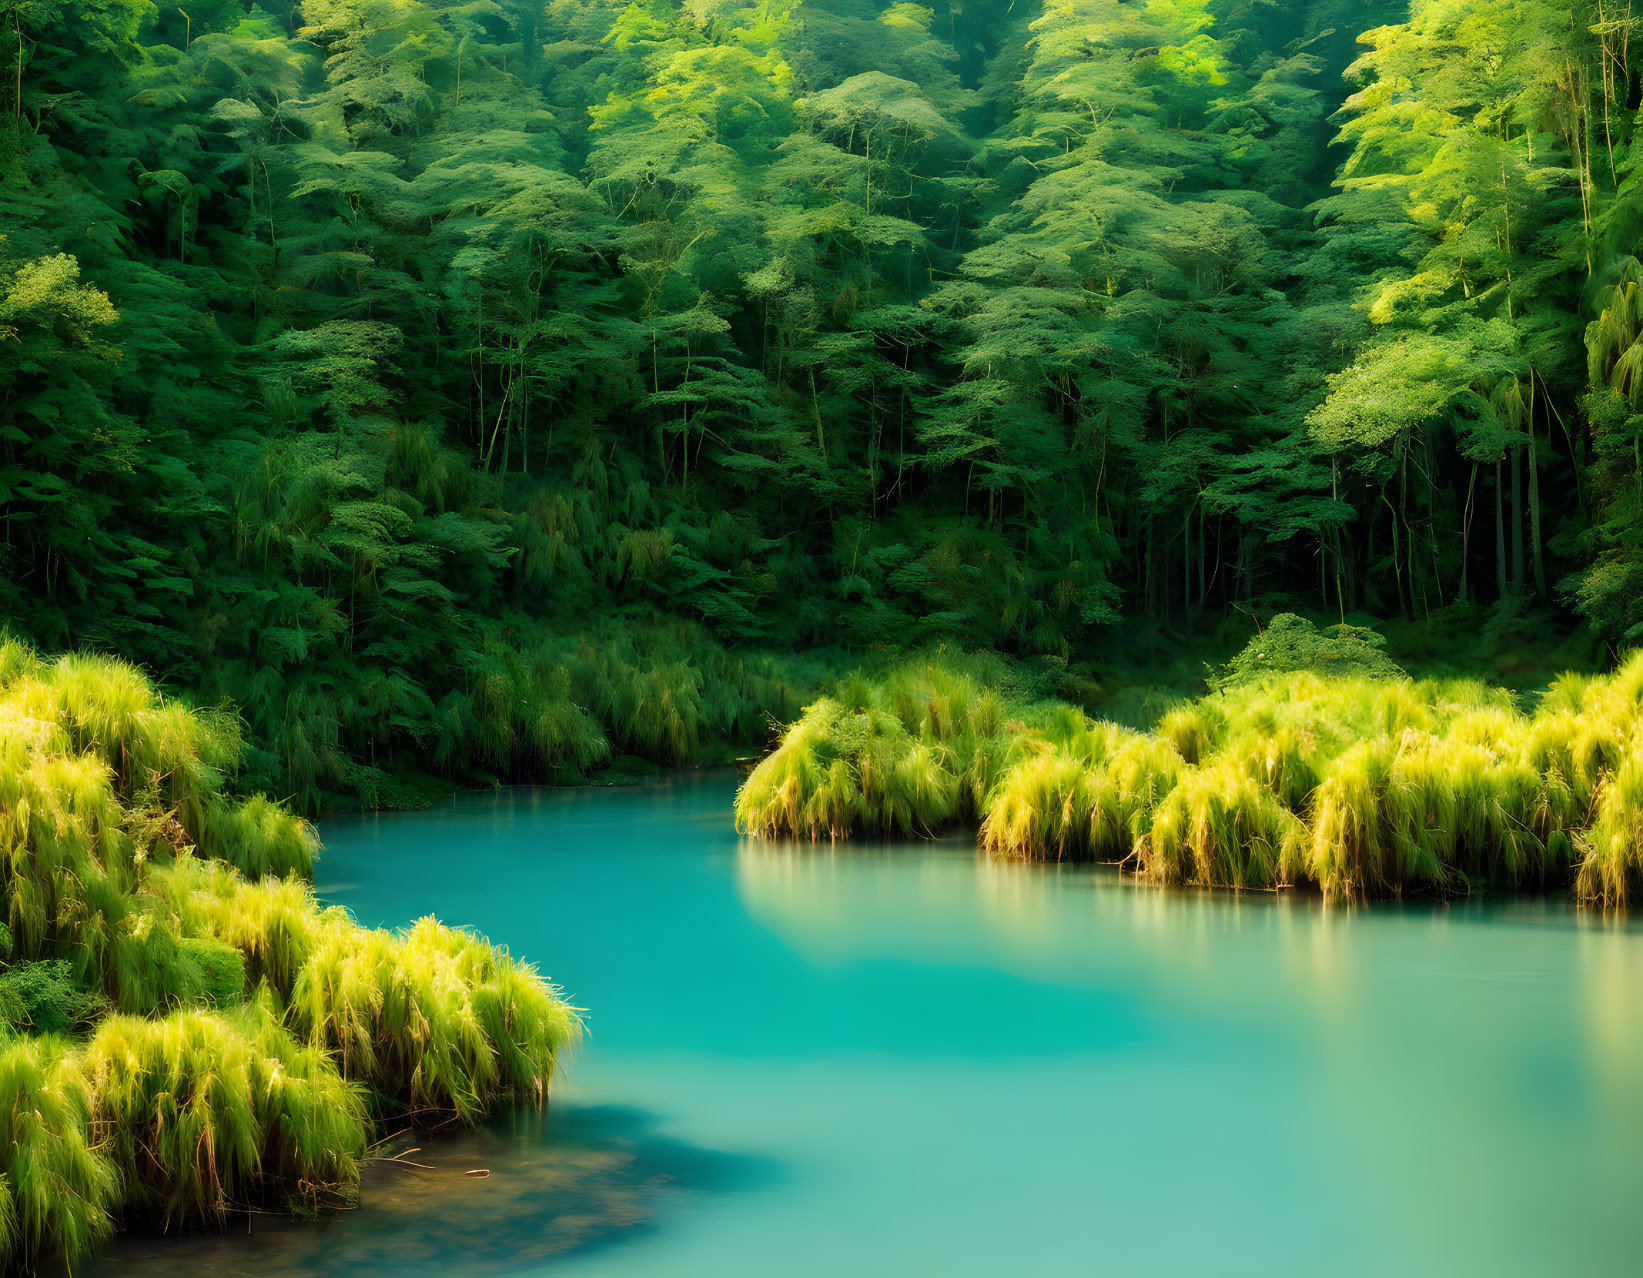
1044,808
1362,825
184,1033
1092,797
435,1020
917,747
207,1113
1218,827
58,1190
1611,864
273,923
840,771
259,836
1193,730
1361,784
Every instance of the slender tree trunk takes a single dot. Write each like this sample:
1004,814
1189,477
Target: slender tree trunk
1186,562
1500,532
1466,535
1340,594
1203,560
1152,610
1368,554
1517,520
1534,495
1351,576
1397,564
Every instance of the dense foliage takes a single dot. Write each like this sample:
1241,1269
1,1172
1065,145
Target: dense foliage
1359,785
355,353
181,1039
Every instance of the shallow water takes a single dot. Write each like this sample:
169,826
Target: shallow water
812,1060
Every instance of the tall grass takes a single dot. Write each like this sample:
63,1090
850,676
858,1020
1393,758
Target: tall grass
58,1190
1361,785
435,1020
258,836
1219,827
1611,864
235,1041
843,770
204,1114
1091,797
920,746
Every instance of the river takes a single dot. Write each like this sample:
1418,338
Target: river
907,1059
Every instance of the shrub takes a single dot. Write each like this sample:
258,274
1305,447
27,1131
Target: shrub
42,997
1290,644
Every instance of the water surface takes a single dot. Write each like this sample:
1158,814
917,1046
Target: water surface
904,1060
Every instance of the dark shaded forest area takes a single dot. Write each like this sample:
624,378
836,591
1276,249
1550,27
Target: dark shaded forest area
492,385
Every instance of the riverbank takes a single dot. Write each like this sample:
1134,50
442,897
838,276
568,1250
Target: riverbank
185,1035
1362,784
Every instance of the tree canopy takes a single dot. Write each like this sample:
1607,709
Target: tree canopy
349,348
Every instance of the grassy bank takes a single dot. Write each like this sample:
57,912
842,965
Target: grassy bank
184,1033
1362,782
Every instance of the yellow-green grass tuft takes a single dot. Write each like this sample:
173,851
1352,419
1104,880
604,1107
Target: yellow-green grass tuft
204,1114
1611,862
1219,827
59,1189
840,770
234,1040
436,1020
1362,786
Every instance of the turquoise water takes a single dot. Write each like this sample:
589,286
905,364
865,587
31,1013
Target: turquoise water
907,1060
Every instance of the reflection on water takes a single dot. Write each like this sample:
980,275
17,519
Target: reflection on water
812,1059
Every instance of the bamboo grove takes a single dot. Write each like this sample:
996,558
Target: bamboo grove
356,354
185,1035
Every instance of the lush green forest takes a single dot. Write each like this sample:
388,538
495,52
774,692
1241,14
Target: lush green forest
410,393
479,388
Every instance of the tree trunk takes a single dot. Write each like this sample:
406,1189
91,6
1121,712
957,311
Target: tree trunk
1466,535
1517,521
1500,532
1147,568
1203,560
1186,562
1534,495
